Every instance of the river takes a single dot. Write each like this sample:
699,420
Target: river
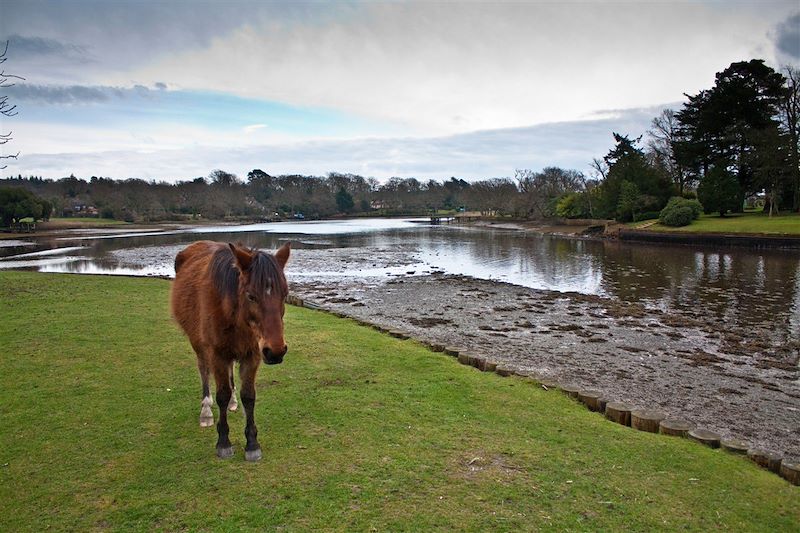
732,284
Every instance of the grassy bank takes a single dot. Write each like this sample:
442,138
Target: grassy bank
753,223
55,224
81,222
359,431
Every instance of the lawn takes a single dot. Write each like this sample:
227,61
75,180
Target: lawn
785,224
360,432
81,222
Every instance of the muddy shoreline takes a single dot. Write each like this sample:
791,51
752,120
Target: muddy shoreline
743,385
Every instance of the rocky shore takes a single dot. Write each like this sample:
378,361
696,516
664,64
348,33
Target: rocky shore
741,384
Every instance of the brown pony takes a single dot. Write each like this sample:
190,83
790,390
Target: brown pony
230,302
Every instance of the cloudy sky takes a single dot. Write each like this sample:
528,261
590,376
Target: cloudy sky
173,90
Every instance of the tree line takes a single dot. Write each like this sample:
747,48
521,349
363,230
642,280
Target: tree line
224,196
735,141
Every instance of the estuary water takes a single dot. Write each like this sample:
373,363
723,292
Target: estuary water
741,286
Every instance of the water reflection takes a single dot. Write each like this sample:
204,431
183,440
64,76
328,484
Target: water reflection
739,285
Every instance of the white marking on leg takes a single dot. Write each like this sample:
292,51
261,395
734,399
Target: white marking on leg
233,404
206,416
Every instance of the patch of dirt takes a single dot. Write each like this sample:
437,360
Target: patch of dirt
484,464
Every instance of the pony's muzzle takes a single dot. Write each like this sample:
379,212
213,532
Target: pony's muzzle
274,358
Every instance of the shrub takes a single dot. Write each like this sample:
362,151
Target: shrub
678,216
569,206
669,215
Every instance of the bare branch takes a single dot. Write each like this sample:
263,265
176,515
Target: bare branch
7,109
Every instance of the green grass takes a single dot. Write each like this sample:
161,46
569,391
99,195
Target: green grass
785,224
360,432
84,222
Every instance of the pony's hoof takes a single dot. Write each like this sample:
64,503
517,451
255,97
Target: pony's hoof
253,455
224,453
206,421
233,406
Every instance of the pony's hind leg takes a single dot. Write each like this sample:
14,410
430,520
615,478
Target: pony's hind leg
233,404
206,415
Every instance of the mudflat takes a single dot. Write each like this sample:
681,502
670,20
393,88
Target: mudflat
741,384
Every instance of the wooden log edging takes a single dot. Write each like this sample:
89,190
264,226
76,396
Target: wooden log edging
704,436
620,412
675,427
647,420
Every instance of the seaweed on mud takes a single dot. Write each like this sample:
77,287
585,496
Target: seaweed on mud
430,322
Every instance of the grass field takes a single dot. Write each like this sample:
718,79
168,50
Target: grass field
82,222
360,432
785,224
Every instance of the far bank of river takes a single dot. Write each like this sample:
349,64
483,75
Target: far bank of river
711,334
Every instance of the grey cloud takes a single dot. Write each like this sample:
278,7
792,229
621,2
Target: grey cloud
74,94
788,37
29,47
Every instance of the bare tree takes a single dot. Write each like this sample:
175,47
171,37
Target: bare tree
7,109
664,140
791,123
599,168
540,190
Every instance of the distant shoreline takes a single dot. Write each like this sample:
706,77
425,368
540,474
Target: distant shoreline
587,229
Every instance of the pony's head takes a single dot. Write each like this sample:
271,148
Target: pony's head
261,295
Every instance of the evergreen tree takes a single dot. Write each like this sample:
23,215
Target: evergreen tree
723,126
719,191
344,201
628,164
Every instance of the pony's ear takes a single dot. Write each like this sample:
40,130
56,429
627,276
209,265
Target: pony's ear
282,255
243,257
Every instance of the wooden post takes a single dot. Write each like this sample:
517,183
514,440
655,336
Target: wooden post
465,359
765,459
589,398
601,404
619,412
489,366
791,472
503,371
703,436
675,427
571,390
734,445
646,420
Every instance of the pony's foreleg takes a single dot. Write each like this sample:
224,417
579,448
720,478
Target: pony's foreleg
206,416
247,373
233,404
222,378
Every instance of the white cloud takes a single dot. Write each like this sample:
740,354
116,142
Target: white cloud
445,68
253,128
477,155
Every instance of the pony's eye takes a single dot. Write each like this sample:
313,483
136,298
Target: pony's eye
251,297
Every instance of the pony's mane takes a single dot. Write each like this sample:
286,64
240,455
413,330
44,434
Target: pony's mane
265,274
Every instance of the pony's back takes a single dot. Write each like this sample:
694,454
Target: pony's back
192,293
